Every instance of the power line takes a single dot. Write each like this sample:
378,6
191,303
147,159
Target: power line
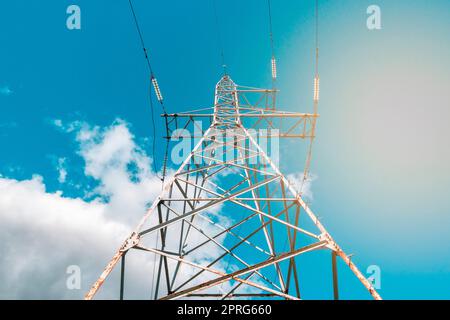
147,58
219,37
273,59
141,37
155,84
317,37
270,28
159,97
273,282
306,172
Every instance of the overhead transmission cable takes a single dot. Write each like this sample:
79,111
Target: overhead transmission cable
273,60
159,97
316,99
219,37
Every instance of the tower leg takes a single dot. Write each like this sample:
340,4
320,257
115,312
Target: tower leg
122,276
335,276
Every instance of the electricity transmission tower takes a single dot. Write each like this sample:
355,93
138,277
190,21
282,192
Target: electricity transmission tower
228,223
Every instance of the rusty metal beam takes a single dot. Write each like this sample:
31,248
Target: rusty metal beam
238,273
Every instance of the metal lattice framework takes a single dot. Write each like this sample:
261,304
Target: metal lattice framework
229,223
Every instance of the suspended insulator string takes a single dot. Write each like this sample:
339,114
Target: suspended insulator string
274,68
154,135
273,59
166,159
316,76
219,37
147,58
159,97
166,153
316,101
316,89
157,90
166,122
158,94
272,47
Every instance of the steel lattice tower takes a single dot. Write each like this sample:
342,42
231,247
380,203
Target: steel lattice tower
268,226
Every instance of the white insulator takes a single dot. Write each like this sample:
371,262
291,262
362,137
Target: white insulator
316,88
274,68
157,90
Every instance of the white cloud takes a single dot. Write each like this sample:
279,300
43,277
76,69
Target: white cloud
109,154
305,187
43,233
58,123
68,127
62,171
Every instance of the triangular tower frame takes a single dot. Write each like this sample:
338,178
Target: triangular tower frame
269,209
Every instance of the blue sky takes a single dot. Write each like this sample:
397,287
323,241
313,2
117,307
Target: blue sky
381,154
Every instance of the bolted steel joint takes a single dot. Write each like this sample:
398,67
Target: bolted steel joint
131,242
